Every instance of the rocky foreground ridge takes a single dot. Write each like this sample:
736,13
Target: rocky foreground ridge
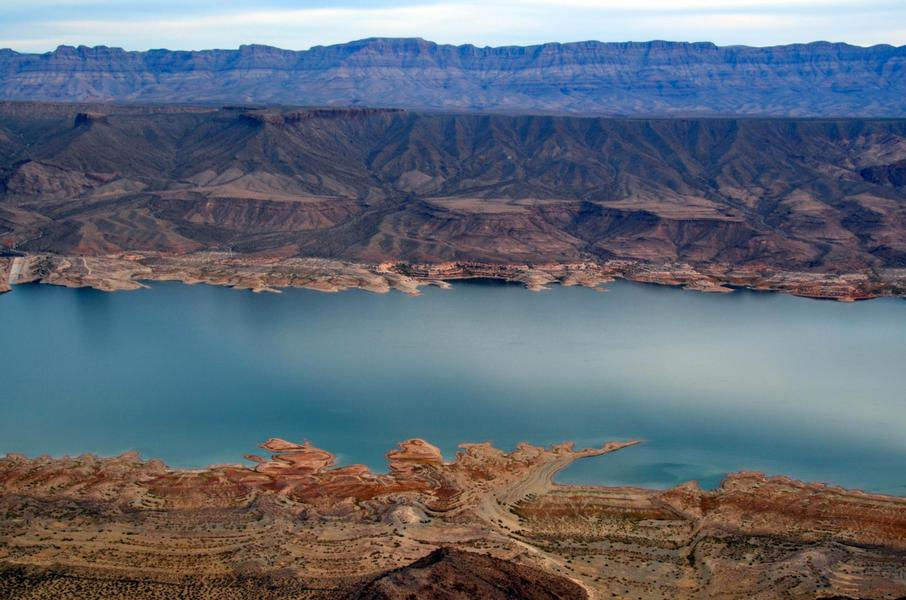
816,207
488,524
637,78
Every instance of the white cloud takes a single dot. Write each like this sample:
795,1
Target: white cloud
717,21
459,21
489,22
30,45
677,6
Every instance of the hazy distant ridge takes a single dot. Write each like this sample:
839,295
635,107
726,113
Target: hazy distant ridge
817,79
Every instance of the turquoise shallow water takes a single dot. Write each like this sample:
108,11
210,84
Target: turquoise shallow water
712,383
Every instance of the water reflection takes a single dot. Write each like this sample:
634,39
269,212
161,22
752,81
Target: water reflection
93,315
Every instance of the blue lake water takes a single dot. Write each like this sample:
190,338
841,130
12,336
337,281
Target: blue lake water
712,383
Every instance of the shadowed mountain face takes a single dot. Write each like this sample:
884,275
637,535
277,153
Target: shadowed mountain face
374,185
818,79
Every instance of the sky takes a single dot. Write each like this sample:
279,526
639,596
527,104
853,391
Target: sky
42,25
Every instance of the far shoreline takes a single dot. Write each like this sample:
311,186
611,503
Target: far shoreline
130,271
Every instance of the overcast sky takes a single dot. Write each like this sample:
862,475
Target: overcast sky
41,25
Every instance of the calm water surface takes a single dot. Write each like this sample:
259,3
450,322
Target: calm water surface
197,374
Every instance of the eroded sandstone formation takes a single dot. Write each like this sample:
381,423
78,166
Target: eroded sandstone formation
296,525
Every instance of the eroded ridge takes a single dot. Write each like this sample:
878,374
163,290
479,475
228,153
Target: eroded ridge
107,196
294,524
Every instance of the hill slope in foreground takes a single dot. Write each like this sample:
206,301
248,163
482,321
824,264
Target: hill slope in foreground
817,79
489,524
105,196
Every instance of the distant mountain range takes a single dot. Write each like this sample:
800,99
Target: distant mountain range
650,78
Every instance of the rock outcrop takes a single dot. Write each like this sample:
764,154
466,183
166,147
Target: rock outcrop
130,271
449,574
487,524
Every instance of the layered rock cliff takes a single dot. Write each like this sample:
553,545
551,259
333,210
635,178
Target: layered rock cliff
489,524
585,77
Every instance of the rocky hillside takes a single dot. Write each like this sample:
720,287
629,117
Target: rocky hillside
489,524
818,79
375,185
